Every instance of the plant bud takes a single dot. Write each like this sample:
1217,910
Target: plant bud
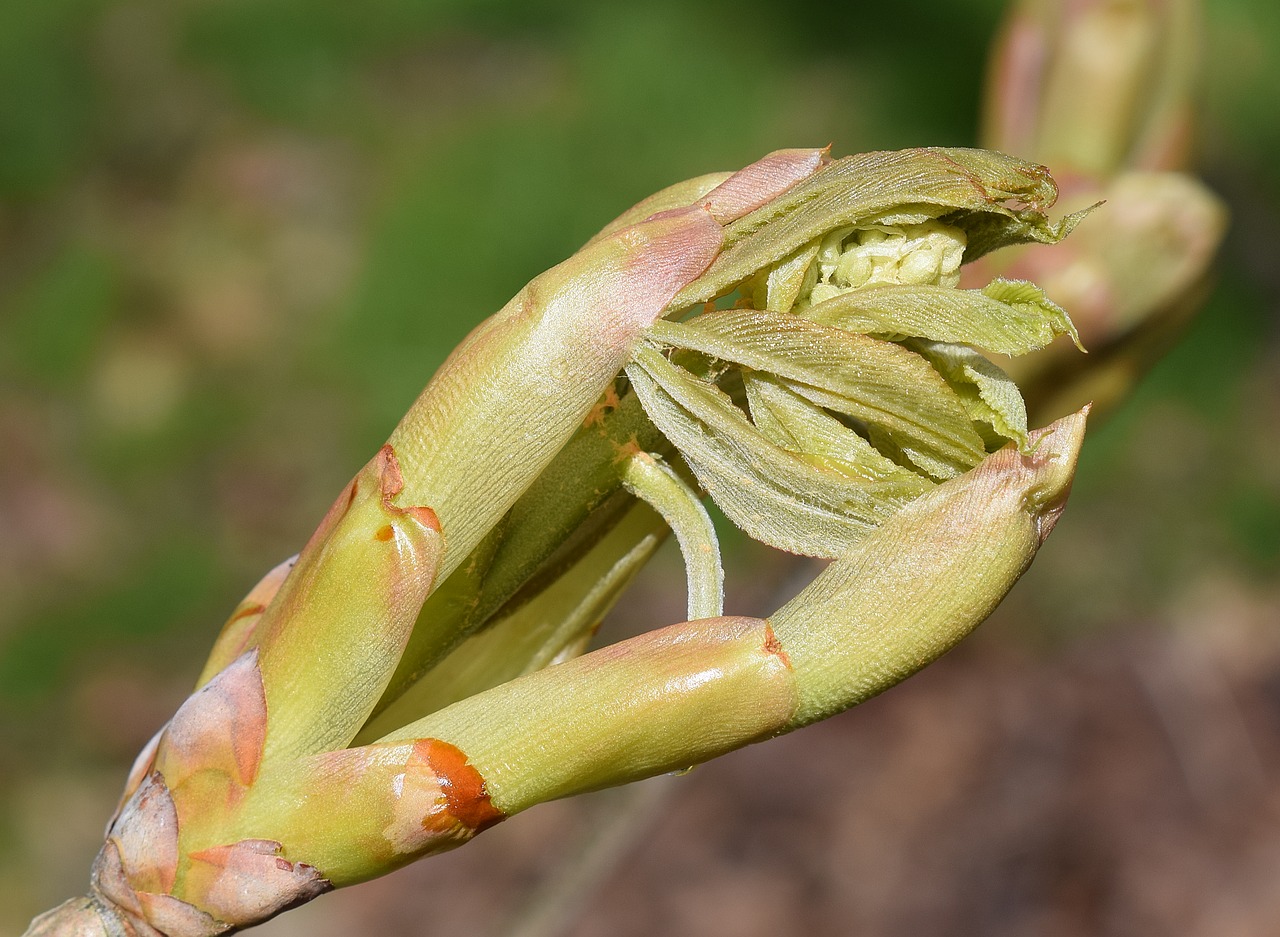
1102,89
355,715
1094,86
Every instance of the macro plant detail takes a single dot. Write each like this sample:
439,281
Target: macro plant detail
790,339
1104,92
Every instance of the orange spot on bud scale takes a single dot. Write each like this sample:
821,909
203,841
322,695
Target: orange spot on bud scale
384,533
773,646
461,784
604,406
392,480
627,449
424,516
247,610
392,483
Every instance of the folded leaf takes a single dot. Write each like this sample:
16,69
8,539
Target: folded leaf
995,199
778,288
879,384
536,633
989,395
776,496
797,425
1009,317
927,577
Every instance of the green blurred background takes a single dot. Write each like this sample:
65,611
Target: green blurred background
237,237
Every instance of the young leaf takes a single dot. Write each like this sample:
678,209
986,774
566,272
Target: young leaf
989,395
774,495
786,281
799,426
1009,317
996,199
879,384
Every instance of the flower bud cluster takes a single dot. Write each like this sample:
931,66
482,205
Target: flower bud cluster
926,254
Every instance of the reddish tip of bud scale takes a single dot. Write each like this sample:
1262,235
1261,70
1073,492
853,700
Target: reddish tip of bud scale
221,728
247,882
1053,453
663,255
761,182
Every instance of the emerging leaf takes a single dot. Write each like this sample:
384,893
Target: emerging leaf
883,386
994,199
775,495
1009,317
988,395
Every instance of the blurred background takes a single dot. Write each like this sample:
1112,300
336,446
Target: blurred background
237,237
